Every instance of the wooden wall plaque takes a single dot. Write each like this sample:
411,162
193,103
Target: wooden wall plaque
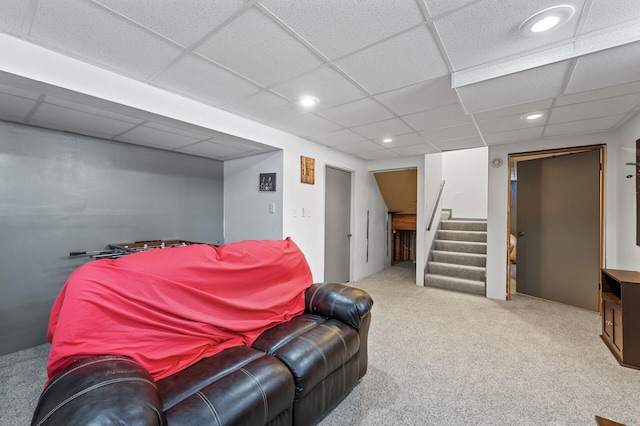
307,170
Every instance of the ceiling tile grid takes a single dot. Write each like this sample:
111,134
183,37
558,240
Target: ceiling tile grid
338,27
606,13
420,97
251,42
403,60
491,31
379,68
202,16
86,31
15,108
325,83
199,79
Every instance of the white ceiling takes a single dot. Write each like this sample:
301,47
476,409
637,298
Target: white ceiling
435,75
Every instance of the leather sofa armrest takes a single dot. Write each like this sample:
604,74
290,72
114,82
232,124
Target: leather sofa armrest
348,304
101,390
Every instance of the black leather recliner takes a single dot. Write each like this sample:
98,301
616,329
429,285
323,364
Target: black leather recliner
293,374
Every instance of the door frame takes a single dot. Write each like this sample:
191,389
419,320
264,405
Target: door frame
514,158
351,213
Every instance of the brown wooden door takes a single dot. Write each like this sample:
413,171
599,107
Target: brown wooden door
558,228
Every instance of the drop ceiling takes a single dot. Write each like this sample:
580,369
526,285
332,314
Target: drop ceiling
433,75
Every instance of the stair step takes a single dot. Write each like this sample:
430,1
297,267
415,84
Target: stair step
475,273
464,225
459,258
455,284
453,235
461,246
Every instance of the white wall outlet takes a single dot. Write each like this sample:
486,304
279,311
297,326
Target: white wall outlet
272,207
306,212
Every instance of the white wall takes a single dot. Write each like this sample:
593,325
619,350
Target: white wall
466,175
247,213
627,252
498,182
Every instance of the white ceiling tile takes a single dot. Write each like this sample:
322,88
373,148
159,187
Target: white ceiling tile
339,137
420,97
376,68
422,149
13,15
595,109
85,30
605,13
141,142
199,79
513,135
383,129
158,137
488,30
325,83
593,95
214,150
436,118
512,122
357,113
583,126
452,132
438,7
256,47
514,110
528,86
16,91
161,16
266,107
400,141
307,125
73,120
338,27
383,154
173,128
463,143
358,147
91,110
235,141
15,108
606,68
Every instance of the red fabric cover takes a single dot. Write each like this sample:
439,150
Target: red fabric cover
169,308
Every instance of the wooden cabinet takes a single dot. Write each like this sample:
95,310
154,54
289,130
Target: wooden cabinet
621,315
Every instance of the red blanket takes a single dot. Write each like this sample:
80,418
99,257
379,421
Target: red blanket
169,308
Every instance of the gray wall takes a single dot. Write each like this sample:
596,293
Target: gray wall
61,192
247,213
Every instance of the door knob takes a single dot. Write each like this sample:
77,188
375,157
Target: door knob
520,234
348,235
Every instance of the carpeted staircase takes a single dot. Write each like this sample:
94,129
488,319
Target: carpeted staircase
459,258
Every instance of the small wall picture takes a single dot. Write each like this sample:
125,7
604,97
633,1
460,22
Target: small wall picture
267,182
307,170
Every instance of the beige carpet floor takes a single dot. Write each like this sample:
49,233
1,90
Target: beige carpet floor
445,358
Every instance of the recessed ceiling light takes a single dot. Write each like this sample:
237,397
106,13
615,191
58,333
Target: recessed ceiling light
387,140
547,19
532,116
308,101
